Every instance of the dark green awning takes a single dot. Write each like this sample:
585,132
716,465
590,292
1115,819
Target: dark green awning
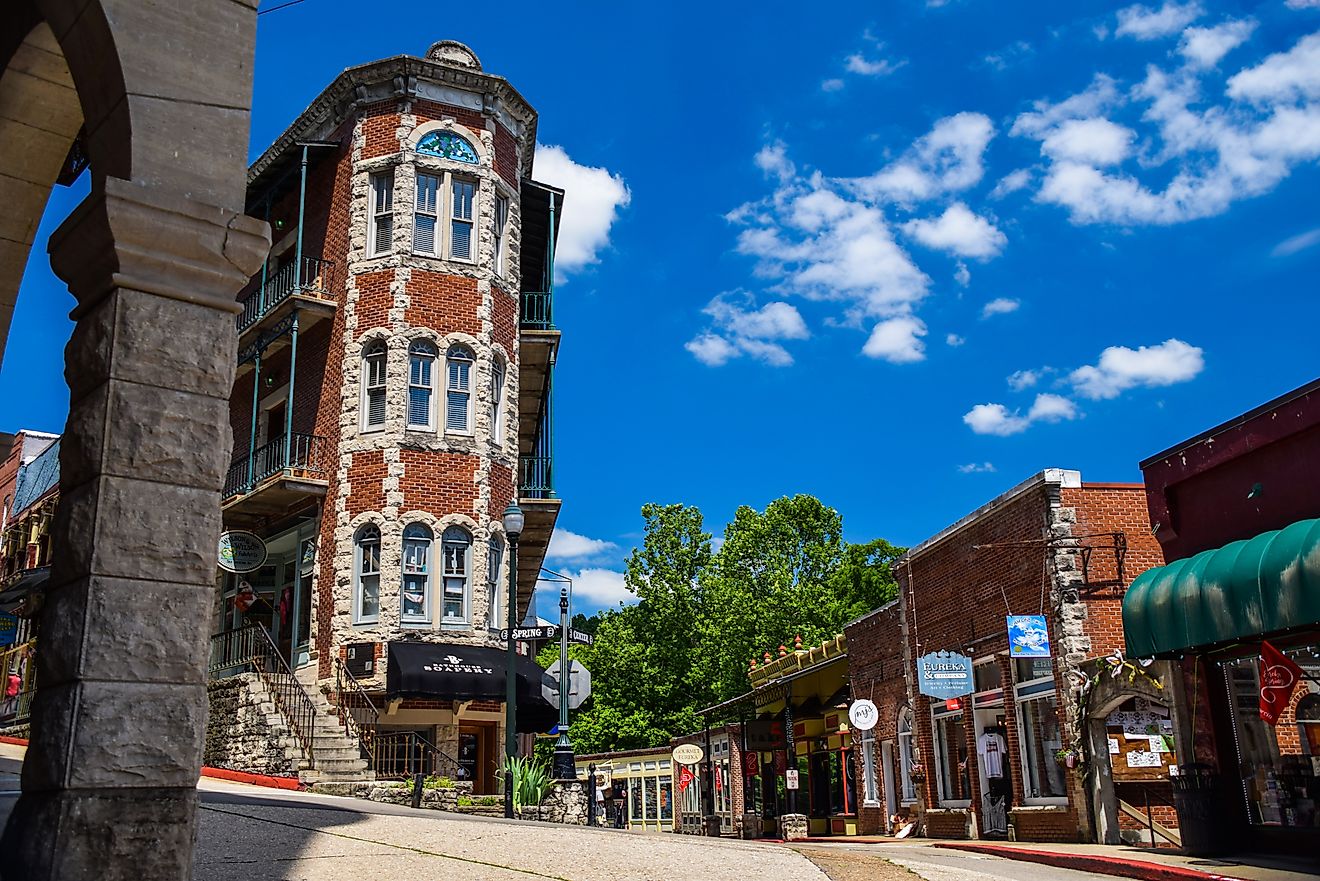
1243,590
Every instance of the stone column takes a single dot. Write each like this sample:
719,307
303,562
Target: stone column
118,726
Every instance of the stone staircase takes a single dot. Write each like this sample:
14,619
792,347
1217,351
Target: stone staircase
337,757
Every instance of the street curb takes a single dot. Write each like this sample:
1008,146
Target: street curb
13,741
252,779
1104,865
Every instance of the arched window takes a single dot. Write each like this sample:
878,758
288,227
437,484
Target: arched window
421,385
415,591
494,585
906,752
457,566
497,399
373,386
458,390
366,575
447,145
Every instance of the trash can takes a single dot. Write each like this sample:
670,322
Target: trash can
1196,793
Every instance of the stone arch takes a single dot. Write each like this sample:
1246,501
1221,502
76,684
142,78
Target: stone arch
154,257
1104,697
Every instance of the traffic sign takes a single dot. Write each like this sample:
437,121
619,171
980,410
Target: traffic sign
790,779
579,684
545,632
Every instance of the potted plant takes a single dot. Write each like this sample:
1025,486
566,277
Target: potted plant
1069,756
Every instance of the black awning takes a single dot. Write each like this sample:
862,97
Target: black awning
435,671
24,586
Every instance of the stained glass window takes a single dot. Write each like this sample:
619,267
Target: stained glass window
447,145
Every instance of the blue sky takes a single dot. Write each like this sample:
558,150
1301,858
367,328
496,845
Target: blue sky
900,261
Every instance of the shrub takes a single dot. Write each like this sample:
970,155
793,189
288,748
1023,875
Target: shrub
531,780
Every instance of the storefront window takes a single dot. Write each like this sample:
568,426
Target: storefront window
1280,766
951,756
1038,720
666,798
635,799
870,789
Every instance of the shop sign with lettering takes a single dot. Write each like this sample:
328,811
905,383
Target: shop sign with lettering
1028,636
944,675
241,551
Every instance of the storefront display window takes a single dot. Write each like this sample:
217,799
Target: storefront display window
906,753
666,798
951,758
1280,768
1038,720
635,799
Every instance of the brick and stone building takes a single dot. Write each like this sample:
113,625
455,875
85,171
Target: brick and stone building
1051,546
393,397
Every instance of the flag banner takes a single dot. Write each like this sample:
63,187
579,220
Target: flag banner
685,777
1279,675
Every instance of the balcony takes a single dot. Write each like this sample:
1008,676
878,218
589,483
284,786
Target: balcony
303,285
540,509
274,478
539,345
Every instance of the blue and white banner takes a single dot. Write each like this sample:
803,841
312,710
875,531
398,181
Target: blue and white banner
1028,636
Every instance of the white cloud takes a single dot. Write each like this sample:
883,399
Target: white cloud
1299,242
860,64
954,340
1147,23
960,232
1011,183
946,159
567,545
977,468
600,587
1121,368
773,160
1096,140
1000,306
897,340
962,274
1302,4
1023,379
1204,47
592,200
742,329
998,420
831,85
1284,76
1096,99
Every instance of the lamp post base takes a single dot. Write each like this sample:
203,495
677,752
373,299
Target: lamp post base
563,766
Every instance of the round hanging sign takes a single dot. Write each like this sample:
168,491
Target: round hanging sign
241,551
688,754
863,715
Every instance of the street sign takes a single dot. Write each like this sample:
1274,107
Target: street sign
790,779
688,754
579,684
548,631
863,715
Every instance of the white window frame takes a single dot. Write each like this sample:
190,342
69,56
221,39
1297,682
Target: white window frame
1024,692
501,224
418,539
380,204
499,377
907,754
870,785
371,352
361,539
939,756
494,583
445,209
451,540
419,352
459,353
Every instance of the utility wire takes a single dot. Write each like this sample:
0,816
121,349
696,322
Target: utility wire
281,6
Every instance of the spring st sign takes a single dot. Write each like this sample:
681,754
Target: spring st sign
944,675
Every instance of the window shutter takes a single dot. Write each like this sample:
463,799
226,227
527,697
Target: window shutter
419,406
462,244
376,406
456,411
384,232
424,234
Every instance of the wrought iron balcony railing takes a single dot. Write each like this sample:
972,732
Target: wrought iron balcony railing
536,311
300,452
310,277
535,478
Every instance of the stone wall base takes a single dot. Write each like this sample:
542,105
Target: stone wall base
794,827
947,823
245,732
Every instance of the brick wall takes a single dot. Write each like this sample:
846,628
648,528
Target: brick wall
366,478
437,482
444,302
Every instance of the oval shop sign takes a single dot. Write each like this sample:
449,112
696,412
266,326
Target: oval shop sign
240,551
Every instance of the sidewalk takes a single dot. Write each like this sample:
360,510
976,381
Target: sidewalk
1144,863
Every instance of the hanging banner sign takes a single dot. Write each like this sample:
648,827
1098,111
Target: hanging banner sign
685,777
751,764
1028,636
944,675
1279,675
8,629
241,551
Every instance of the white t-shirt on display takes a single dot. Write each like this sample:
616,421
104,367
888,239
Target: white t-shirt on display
990,747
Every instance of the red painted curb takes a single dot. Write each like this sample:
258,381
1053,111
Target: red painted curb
16,741
252,779
1105,865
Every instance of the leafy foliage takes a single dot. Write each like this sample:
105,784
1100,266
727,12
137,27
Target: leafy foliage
531,780
702,614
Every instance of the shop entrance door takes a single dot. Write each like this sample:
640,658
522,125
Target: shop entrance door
476,757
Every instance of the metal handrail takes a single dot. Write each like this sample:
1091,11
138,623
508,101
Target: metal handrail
252,648
310,277
295,450
391,755
536,310
535,478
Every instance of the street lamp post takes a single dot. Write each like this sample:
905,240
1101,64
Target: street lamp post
564,766
513,527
